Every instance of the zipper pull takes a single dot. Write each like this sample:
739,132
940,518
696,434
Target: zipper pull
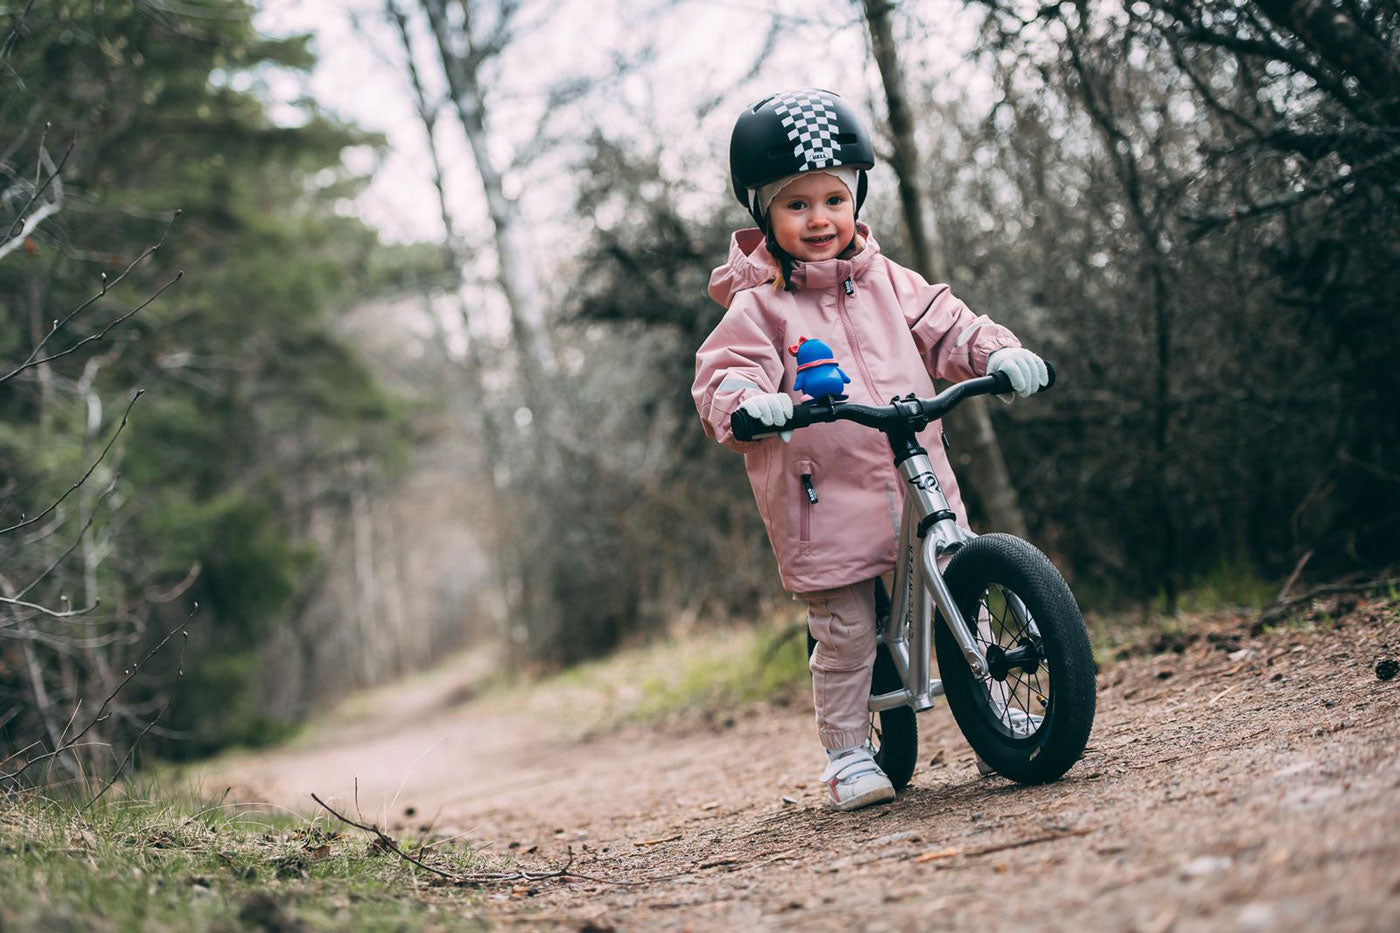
850,287
811,490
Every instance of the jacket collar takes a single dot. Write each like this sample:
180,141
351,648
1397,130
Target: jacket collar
749,264
830,273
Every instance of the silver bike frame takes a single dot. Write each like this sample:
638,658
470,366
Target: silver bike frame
918,586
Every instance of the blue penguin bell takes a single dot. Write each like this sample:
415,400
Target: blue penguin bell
818,375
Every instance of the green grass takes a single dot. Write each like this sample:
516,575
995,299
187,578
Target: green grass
708,673
154,862
770,662
1231,585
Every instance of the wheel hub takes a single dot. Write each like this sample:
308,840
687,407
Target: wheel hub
1024,657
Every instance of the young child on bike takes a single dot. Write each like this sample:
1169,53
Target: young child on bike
830,496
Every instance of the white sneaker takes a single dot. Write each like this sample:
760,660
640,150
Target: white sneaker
854,780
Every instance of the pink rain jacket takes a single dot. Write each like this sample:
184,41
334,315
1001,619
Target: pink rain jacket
890,331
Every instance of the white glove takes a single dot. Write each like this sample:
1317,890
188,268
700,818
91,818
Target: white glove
772,409
1026,370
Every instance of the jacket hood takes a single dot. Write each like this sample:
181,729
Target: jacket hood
750,264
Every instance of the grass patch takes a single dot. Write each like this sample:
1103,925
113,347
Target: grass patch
162,862
1231,585
704,673
771,661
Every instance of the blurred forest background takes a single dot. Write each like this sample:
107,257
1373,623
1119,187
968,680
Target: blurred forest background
254,453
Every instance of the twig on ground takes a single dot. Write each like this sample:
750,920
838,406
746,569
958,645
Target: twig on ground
1281,608
1293,577
642,843
1034,840
1212,701
387,842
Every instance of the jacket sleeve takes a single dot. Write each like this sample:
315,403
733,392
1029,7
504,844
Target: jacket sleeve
954,342
738,360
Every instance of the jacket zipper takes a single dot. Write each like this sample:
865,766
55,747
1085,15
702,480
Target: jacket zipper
850,290
805,529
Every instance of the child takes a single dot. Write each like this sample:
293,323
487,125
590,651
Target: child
830,496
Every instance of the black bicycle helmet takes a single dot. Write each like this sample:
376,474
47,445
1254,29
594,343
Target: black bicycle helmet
800,131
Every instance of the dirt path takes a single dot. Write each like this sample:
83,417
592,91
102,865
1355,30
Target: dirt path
1247,782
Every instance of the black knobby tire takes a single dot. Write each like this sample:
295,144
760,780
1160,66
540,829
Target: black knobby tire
893,732
1053,678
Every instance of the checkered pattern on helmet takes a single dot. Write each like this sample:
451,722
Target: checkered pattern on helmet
811,126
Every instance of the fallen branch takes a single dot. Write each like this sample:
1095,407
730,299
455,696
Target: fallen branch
1034,840
386,842
940,854
642,843
1293,577
1281,608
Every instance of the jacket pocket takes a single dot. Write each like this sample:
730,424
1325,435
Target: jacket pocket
807,498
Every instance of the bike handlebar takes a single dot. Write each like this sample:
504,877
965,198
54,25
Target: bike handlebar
917,412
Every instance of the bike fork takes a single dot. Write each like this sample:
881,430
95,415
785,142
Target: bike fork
917,577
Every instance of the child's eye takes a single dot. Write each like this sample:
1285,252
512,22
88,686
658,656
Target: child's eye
835,200
797,205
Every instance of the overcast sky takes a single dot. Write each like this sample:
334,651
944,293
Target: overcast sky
704,49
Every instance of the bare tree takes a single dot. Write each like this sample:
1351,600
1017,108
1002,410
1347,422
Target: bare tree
429,110
465,50
988,477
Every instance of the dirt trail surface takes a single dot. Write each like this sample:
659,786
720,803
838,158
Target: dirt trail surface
1233,781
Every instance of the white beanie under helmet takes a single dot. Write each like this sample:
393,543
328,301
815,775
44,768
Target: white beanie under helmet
846,175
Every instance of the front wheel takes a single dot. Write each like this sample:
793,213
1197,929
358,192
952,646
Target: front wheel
1030,716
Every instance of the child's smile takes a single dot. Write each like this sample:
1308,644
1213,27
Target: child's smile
813,217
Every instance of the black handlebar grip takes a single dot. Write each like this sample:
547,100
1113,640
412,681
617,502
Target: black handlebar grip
745,426
1050,372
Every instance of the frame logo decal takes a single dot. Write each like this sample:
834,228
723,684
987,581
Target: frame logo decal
926,481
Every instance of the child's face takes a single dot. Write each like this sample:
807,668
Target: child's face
813,217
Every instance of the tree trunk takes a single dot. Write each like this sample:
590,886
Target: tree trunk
988,478
461,61
474,363
1154,270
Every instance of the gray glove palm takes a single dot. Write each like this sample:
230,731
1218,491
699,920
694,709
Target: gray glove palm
1026,371
771,409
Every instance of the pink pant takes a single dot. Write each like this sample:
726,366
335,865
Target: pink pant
843,623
